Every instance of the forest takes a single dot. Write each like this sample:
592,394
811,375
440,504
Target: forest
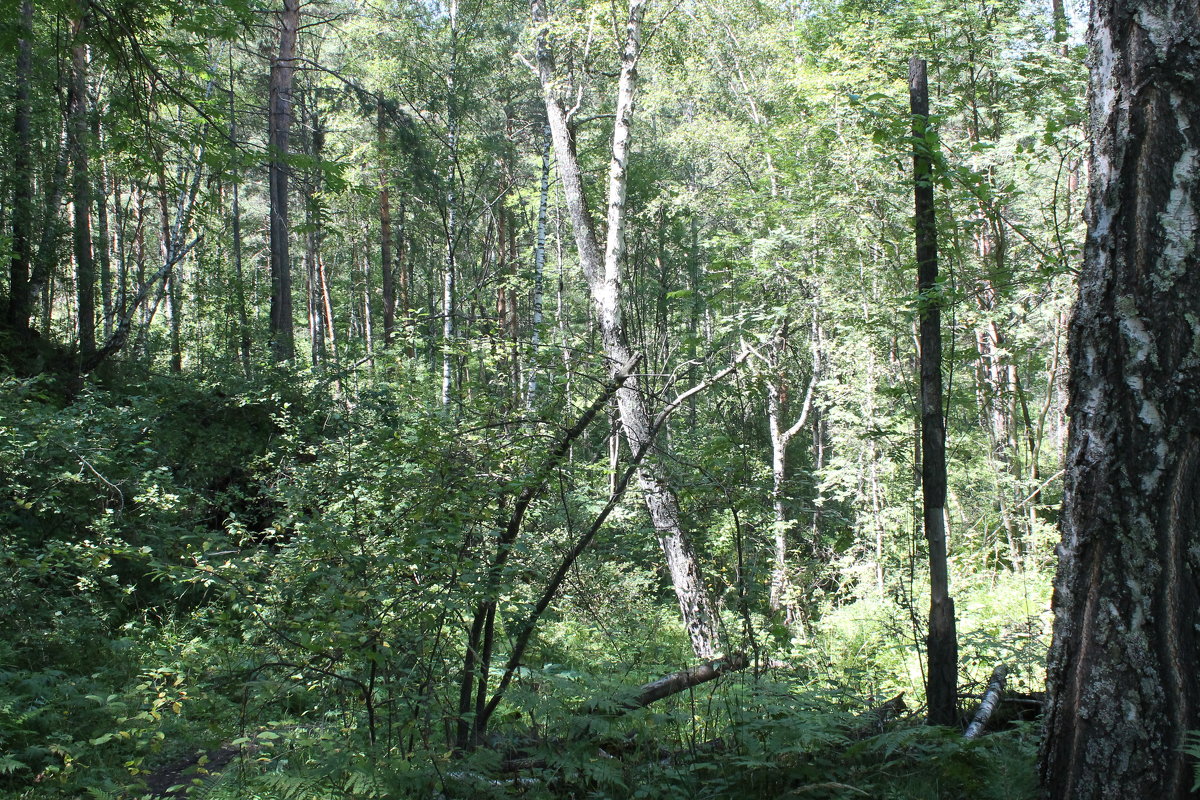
484,398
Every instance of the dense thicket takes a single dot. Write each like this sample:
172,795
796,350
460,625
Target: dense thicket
335,464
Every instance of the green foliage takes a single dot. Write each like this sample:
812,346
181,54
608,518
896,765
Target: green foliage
213,556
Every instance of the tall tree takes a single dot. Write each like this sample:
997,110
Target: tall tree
19,301
1123,689
602,270
283,70
385,227
81,188
942,691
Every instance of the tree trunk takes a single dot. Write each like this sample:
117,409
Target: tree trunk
20,305
781,437
403,277
450,274
385,231
175,312
942,691
283,347
539,267
603,273
1058,14
235,212
85,269
312,237
1122,685
47,252
102,249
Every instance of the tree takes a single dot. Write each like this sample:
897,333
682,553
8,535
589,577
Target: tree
22,214
85,269
942,689
283,70
1122,686
602,270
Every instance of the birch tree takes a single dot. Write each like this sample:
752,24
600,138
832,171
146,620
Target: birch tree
602,271
1122,686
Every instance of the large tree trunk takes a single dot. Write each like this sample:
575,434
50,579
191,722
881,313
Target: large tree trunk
20,305
942,691
283,345
1122,685
603,273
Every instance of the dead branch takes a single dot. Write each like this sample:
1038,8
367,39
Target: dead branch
686,679
991,699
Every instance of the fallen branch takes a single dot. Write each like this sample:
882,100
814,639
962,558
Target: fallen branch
991,699
681,681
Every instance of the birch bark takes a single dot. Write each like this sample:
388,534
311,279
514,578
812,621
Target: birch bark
602,270
1122,686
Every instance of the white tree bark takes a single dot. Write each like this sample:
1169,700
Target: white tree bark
602,270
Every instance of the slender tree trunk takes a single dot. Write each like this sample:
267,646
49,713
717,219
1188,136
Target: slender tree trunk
450,273
51,222
85,269
121,213
1059,15
139,252
235,211
20,305
385,231
368,333
175,313
102,250
327,305
781,437
602,269
539,267
1123,690
283,345
312,238
403,273
942,691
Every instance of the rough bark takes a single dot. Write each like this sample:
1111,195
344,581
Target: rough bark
942,645
1122,684
283,347
602,270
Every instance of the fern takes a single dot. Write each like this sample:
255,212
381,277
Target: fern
1191,747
